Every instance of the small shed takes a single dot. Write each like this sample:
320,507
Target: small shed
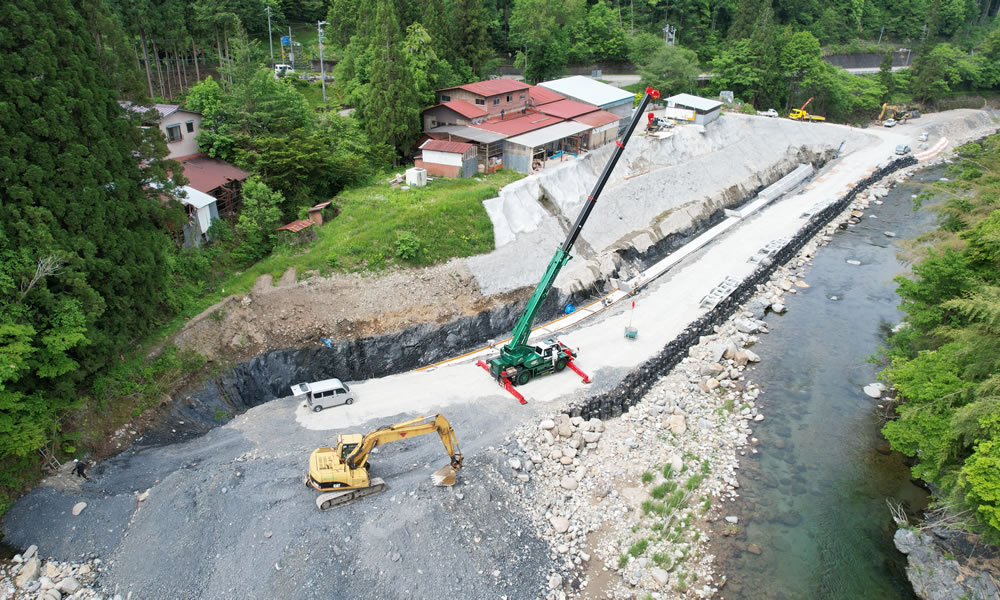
604,128
448,159
201,210
489,143
705,110
521,152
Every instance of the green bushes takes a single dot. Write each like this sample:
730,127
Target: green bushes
946,362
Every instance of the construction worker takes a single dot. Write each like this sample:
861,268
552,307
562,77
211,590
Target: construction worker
80,469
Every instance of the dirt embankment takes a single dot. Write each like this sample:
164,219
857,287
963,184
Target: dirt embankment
301,313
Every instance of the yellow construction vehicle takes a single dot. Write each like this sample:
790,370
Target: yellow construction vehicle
900,114
800,114
343,472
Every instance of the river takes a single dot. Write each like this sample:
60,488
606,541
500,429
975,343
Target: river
813,499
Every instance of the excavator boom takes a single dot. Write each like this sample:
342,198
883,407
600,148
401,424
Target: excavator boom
343,472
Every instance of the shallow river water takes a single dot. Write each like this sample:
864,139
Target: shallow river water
813,500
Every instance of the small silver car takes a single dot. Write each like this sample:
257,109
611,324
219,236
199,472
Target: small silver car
923,136
889,123
902,149
324,394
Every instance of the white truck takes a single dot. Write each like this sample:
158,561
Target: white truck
768,113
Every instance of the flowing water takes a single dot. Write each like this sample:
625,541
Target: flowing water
813,499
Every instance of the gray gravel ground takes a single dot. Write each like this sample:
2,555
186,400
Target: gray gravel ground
229,517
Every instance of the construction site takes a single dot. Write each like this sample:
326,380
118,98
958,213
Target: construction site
653,310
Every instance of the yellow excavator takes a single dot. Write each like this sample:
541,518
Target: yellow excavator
343,472
899,113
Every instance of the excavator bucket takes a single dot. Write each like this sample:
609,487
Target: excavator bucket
446,475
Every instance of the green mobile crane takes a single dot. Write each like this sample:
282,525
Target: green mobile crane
519,361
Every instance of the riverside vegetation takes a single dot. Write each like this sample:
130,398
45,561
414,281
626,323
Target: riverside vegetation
945,360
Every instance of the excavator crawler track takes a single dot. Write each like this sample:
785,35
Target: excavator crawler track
335,499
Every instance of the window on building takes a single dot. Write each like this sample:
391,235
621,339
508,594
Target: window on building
174,133
445,98
521,97
496,102
509,97
190,126
481,101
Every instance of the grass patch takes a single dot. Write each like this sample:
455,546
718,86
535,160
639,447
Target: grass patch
638,548
647,477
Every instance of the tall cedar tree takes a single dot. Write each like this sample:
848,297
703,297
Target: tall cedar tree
73,196
391,110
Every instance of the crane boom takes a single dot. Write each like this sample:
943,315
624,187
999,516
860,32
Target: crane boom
516,355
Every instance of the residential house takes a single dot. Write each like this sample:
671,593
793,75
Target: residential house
180,126
493,96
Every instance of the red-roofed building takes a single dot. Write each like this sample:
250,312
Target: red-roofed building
216,178
540,95
493,96
567,109
604,130
452,112
447,159
519,124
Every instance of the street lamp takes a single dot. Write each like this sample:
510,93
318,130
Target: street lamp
322,70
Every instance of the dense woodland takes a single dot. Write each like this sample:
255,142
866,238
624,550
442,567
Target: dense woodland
88,272
946,361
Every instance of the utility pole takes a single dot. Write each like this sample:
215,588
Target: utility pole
270,40
322,71
291,48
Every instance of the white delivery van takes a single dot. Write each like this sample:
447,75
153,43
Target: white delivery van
324,394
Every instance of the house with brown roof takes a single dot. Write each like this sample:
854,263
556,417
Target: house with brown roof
218,179
493,96
448,159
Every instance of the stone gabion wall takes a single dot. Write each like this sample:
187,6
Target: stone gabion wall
635,385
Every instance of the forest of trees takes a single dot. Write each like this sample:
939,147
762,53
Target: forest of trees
946,361
87,269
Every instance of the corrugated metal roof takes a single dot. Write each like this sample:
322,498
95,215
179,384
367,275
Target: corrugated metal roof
195,198
587,90
296,226
567,109
543,96
320,206
466,109
519,125
469,133
549,134
205,174
446,146
598,118
492,87
162,110
695,102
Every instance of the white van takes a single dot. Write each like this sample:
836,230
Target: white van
281,70
324,394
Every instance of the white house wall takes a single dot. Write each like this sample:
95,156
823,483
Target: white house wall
451,159
188,144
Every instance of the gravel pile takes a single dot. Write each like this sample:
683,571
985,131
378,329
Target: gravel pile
29,576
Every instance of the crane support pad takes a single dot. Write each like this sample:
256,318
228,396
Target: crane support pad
576,369
505,382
